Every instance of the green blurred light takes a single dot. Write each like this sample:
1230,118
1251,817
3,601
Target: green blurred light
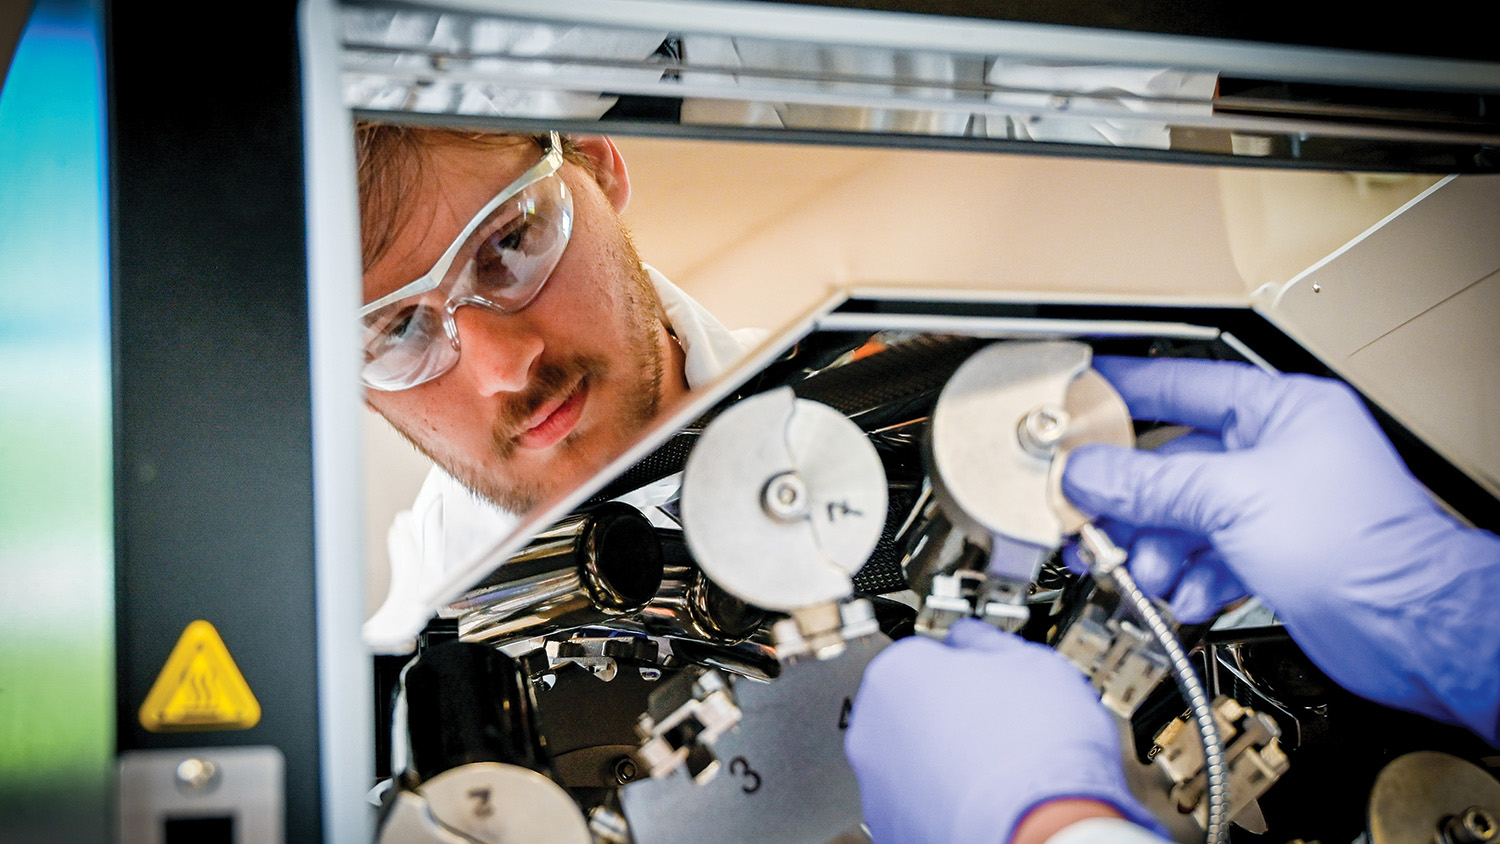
56,549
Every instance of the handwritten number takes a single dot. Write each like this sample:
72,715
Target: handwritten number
481,798
739,766
841,508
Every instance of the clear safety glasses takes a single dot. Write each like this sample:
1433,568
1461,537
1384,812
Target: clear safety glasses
500,261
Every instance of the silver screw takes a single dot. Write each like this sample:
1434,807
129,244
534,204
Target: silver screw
197,775
1317,288
1042,429
625,770
1475,825
786,497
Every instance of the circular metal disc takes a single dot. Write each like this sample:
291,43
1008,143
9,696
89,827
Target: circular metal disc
983,471
845,481
494,802
1097,415
1416,792
771,561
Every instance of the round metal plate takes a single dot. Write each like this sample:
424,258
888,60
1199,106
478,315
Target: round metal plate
782,561
982,469
493,802
1418,791
1097,415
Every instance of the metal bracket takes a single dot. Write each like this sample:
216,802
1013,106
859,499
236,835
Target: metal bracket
972,594
686,715
823,630
1252,754
1120,659
603,655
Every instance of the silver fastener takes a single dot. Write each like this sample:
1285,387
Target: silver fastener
1042,429
197,775
786,497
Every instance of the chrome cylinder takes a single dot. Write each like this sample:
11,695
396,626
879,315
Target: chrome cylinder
690,606
587,569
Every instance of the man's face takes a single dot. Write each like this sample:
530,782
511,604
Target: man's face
542,398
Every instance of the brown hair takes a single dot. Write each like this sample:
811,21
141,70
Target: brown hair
390,159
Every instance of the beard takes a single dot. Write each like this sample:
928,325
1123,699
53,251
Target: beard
640,366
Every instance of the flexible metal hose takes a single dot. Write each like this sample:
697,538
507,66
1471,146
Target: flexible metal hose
1107,561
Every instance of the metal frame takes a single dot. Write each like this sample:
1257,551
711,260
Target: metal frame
232,239
233,274
963,27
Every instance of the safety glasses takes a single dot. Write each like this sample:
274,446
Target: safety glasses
500,261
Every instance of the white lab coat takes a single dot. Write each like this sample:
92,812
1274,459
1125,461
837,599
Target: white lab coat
1106,831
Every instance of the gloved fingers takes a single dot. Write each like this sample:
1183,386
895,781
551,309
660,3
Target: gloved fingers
974,634
1158,559
1190,443
1207,585
1194,492
1222,397
929,771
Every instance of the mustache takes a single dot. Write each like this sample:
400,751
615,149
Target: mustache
551,380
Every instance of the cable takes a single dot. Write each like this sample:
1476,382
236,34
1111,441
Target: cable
1106,561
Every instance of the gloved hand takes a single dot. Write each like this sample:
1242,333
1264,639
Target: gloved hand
1310,507
1174,564
954,743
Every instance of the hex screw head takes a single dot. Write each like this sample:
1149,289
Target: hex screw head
786,497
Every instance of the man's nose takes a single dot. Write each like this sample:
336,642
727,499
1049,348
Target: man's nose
496,351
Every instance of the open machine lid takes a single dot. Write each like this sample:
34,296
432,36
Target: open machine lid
1214,87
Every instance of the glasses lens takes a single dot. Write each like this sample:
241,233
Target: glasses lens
506,261
502,265
405,344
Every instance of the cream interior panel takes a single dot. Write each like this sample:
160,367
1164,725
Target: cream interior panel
1441,243
691,201
1282,222
1037,226
1439,373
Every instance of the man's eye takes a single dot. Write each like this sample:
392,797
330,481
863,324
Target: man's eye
402,327
398,327
494,253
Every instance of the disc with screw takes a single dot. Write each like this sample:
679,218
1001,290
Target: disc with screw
1421,797
783,499
1002,429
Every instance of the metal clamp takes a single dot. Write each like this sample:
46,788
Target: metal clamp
823,630
603,655
972,594
1120,659
1253,756
686,716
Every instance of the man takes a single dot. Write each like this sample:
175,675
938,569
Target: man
511,333
1288,491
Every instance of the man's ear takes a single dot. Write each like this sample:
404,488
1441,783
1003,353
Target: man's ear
609,168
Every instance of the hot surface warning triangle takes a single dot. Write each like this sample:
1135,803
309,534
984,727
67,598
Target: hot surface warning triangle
200,688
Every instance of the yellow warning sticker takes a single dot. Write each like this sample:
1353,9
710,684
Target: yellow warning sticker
200,688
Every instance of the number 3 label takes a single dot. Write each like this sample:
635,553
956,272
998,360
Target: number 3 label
739,766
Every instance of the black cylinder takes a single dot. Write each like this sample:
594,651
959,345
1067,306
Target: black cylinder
468,702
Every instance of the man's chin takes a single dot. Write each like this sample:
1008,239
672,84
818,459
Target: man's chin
543,477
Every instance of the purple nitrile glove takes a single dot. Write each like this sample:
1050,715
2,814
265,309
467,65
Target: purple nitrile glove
1310,507
956,742
1174,564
